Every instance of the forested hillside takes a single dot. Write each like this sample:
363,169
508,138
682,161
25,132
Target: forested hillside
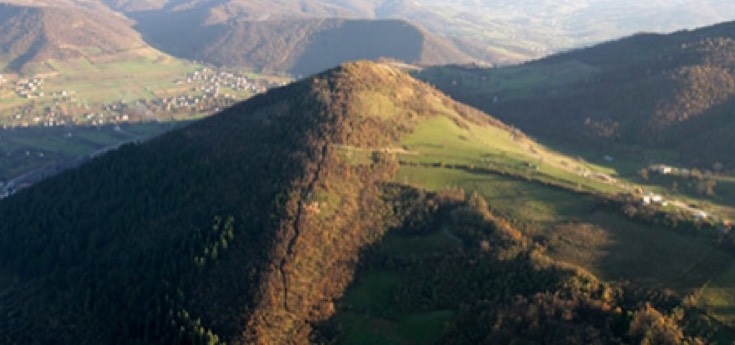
61,31
265,223
658,91
300,46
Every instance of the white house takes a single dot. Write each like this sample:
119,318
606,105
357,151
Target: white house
664,169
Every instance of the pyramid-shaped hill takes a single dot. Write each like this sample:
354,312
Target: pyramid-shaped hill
247,223
248,226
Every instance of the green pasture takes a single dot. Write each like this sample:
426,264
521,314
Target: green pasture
486,146
549,206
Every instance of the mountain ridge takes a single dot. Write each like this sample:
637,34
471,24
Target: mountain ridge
302,47
497,32
33,34
649,89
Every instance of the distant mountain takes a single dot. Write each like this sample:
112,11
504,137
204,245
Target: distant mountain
297,37
248,227
136,5
512,31
496,31
63,30
223,10
672,91
298,46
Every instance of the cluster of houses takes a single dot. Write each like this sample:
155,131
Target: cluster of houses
70,112
213,90
595,175
213,81
29,88
650,198
194,104
44,116
101,119
669,170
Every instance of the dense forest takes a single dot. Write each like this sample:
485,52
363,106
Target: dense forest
188,237
251,225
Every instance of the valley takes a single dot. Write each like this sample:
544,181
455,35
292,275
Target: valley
70,109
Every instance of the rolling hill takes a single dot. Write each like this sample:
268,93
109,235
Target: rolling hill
670,92
62,31
497,32
300,46
356,205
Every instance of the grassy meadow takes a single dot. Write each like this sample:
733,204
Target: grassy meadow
543,193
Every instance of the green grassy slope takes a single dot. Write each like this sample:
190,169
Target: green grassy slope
552,201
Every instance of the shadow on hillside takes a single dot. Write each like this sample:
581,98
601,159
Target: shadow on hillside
35,153
351,40
181,34
619,249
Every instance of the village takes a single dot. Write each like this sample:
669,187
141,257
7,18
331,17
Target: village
198,93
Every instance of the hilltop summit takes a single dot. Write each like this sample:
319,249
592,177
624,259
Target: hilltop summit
246,225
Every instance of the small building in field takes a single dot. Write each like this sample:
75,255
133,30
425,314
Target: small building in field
663,169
